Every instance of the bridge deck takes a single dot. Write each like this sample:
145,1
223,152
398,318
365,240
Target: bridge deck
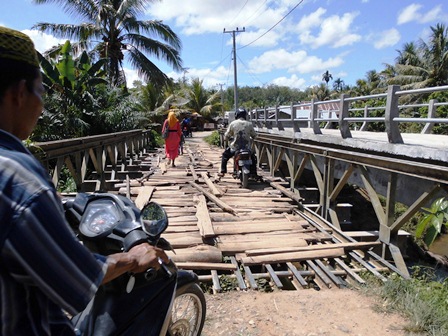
417,146
223,232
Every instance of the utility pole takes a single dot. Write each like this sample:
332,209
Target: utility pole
235,89
222,97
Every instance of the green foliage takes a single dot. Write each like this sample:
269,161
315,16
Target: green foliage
432,223
213,139
422,299
113,29
227,283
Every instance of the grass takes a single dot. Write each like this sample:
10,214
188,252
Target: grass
213,139
423,300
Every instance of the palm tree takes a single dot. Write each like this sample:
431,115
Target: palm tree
202,101
338,85
326,76
424,64
112,30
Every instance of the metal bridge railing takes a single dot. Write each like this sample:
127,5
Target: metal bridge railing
90,157
324,114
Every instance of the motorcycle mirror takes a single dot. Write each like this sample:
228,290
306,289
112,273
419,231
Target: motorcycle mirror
155,219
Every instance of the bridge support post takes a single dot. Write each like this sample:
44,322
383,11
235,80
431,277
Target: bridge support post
343,114
314,116
393,132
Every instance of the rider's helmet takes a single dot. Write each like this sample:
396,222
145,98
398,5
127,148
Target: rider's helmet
241,113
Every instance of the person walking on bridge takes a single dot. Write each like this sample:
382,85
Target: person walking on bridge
172,142
44,270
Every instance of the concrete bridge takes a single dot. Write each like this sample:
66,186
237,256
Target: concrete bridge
333,145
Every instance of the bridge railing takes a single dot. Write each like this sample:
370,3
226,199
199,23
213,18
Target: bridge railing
342,112
92,158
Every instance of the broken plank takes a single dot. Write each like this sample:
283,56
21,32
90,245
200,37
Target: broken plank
204,222
213,198
214,189
143,197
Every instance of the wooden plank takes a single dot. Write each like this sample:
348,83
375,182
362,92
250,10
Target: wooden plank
206,266
234,228
237,247
363,263
204,222
337,280
349,271
287,237
296,197
293,256
213,198
273,276
215,280
250,277
144,196
193,172
238,274
345,246
214,189
319,277
200,253
297,275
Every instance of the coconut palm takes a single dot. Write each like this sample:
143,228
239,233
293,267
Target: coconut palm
110,28
338,85
424,64
201,100
326,76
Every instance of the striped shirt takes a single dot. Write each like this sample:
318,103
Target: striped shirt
44,270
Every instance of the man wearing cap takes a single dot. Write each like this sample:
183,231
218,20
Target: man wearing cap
44,270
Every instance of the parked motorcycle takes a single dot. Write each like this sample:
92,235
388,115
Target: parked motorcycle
164,302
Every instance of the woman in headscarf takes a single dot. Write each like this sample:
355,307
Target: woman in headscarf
173,140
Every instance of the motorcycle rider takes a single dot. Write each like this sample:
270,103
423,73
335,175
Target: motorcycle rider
44,270
243,133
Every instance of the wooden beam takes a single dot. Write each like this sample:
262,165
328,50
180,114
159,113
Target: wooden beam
213,198
143,197
204,221
293,256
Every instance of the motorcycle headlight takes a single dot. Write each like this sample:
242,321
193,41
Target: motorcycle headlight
99,219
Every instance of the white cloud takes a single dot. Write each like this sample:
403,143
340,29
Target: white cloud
210,77
387,38
131,76
298,61
316,31
412,13
43,41
196,17
293,82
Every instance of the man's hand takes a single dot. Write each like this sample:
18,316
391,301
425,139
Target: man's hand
138,259
147,256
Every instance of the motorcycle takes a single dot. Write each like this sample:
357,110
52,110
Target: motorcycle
163,302
244,163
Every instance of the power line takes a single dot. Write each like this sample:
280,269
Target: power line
255,12
233,32
250,73
239,12
284,17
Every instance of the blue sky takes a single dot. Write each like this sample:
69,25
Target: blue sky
345,37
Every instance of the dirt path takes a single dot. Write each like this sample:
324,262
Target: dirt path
303,313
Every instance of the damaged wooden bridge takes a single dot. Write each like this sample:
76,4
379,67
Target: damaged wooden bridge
220,230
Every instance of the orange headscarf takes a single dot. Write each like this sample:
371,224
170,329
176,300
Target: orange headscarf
172,119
